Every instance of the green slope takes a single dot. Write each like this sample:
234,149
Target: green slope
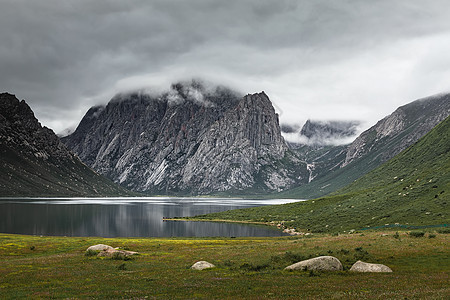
411,189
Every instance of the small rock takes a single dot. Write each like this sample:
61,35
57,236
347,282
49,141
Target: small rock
321,263
99,247
201,265
360,266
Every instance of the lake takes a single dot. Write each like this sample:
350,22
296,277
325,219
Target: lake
126,217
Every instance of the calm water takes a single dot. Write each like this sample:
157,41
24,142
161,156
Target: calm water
125,217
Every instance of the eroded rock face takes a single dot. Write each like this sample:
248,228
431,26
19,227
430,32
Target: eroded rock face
321,263
190,140
360,266
201,265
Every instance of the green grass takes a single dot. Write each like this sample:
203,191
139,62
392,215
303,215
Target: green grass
250,268
410,190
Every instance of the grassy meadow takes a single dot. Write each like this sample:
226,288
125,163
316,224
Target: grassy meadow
251,268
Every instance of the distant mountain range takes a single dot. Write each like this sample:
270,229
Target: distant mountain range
194,140
34,162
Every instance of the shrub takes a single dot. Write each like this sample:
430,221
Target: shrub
444,230
91,253
396,235
120,256
431,236
417,234
344,251
253,267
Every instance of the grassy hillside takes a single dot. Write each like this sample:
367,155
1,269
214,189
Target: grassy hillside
412,189
36,267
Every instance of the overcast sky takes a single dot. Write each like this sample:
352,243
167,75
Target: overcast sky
335,59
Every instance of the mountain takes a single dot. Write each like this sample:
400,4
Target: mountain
336,167
409,190
321,144
327,132
35,163
189,140
320,133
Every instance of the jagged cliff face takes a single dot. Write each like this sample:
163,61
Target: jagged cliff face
400,130
188,140
34,162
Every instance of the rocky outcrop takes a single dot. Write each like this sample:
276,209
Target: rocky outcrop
321,263
190,140
360,266
202,265
33,161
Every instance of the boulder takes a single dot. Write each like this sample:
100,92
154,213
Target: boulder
361,266
119,254
321,263
201,265
99,247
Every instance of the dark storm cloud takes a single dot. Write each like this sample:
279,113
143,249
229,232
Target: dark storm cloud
320,59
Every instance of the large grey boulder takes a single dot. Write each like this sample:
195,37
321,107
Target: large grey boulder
321,263
117,254
361,266
201,265
99,247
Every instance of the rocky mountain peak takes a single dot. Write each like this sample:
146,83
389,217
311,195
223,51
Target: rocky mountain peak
321,133
323,130
19,129
191,139
33,161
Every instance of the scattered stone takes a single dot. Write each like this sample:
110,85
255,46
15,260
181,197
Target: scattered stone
360,266
321,263
201,265
99,247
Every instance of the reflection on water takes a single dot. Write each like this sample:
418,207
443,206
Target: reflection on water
124,217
